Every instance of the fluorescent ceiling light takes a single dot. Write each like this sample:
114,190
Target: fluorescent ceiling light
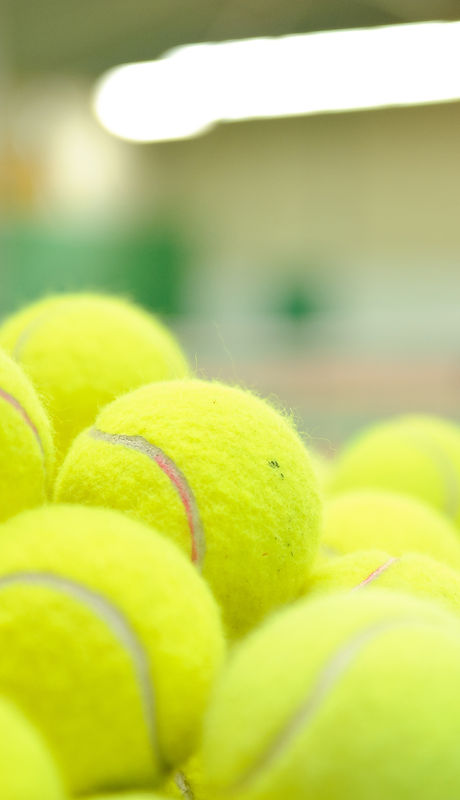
194,87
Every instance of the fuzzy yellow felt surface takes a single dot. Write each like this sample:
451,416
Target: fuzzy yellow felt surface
413,573
221,473
187,782
340,698
372,519
27,768
111,642
125,796
26,444
415,455
83,350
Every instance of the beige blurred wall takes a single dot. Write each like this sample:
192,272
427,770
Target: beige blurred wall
373,188
363,185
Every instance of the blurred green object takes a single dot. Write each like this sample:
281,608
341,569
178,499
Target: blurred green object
297,297
152,264
147,263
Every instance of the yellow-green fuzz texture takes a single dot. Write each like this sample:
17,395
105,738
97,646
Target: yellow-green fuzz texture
26,445
412,573
83,350
126,796
416,455
28,770
340,699
372,519
221,473
187,782
110,642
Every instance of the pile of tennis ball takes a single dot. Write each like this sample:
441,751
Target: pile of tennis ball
193,603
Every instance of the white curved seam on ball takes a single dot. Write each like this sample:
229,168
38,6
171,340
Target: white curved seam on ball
120,627
183,785
176,477
14,403
375,573
332,671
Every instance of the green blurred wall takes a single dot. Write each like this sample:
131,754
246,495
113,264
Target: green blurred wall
147,263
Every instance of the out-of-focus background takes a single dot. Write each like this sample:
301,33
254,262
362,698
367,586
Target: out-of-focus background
315,258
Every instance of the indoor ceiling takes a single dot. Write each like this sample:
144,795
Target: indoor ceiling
85,37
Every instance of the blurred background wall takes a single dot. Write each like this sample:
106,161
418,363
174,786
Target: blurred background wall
313,258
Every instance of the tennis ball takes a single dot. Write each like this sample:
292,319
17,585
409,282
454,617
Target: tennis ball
338,698
83,350
110,642
220,472
415,455
27,768
413,573
26,445
371,519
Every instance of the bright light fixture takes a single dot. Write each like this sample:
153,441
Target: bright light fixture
194,87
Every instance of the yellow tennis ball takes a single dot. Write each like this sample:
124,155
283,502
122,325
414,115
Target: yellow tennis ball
26,445
110,642
220,472
340,697
83,350
412,573
416,455
27,768
371,519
